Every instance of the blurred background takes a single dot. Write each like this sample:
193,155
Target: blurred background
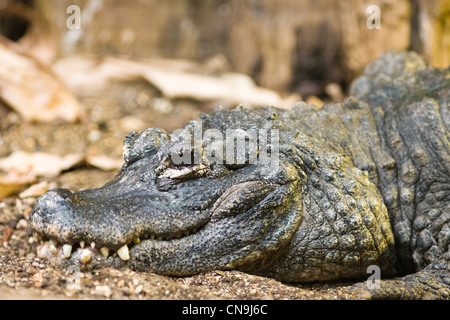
77,76
287,45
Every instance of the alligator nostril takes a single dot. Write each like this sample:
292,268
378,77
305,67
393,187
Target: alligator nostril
64,193
68,195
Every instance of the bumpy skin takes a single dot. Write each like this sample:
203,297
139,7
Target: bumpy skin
360,183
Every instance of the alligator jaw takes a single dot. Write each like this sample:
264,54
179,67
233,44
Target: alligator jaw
79,219
77,230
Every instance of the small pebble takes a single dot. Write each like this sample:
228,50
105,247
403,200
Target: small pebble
103,291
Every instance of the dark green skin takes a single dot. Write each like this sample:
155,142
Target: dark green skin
359,183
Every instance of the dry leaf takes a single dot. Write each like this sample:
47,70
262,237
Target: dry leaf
233,88
32,90
104,162
13,181
87,75
35,190
39,163
173,79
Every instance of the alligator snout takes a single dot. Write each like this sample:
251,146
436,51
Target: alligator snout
48,211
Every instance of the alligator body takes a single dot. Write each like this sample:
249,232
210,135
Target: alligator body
343,189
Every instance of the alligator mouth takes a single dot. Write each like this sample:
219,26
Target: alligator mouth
52,237
55,250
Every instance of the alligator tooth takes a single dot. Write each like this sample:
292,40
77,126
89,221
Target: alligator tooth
82,244
93,245
36,237
53,249
105,252
137,240
85,256
67,250
123,253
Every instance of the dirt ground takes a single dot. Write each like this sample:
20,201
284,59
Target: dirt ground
109,117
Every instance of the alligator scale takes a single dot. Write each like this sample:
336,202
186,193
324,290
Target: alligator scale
357,184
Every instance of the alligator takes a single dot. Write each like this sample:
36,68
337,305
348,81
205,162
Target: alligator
302,195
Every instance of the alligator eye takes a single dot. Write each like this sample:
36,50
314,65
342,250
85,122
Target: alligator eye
182,164
184,172
168,177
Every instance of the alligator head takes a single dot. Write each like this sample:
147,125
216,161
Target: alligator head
177,207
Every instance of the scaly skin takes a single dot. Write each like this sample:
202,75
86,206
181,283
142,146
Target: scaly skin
360,183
